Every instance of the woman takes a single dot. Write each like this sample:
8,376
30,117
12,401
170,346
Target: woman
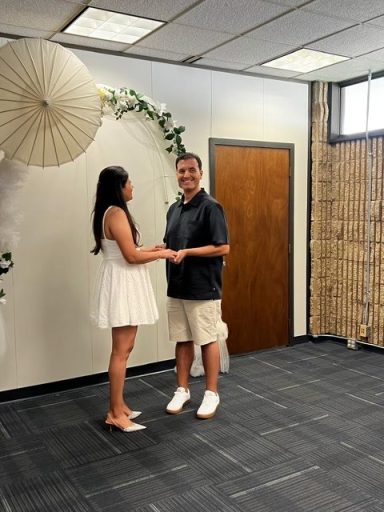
123,297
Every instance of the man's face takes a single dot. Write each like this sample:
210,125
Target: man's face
189,175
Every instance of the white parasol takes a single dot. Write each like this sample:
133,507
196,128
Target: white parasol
50,109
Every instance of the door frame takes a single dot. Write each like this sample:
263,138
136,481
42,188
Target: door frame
213,142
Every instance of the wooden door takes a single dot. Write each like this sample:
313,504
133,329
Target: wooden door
253,185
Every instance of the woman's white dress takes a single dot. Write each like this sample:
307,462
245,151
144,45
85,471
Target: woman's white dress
123,293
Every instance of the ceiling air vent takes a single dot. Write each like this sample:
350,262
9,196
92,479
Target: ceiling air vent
191,60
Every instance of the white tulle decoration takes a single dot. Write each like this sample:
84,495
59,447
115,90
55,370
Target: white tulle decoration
3,340
12,177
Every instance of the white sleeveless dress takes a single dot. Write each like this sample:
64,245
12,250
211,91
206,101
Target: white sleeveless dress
123,293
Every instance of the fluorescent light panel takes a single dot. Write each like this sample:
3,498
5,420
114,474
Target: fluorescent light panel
112,26
304,61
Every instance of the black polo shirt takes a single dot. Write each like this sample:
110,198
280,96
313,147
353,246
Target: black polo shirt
197,223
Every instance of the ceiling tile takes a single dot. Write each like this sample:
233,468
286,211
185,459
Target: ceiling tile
343,70
220,64
347,27
164,10
298,28
264,70
183,39
379,21
43,15
249,51
157,54
219,14
376,55
89,42
352,42
358,10
25,31
291,3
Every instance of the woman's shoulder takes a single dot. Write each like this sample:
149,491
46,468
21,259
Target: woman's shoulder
115,211
115,215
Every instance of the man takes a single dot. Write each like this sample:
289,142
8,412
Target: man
197,230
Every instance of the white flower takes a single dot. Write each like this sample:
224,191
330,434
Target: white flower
104,93
160,108
5,263
108,95
3,300
126,100
169,124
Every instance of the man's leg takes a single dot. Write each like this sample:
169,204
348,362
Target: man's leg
211,362
179,330
184,359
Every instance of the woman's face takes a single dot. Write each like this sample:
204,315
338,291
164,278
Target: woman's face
128,190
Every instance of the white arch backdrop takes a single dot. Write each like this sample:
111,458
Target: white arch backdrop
145,147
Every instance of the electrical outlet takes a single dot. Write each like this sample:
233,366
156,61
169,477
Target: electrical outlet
364,330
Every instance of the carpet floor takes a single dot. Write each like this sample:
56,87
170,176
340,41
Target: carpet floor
299,429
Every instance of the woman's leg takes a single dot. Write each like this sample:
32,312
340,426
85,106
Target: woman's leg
123,340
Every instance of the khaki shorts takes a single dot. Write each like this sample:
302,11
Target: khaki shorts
193,320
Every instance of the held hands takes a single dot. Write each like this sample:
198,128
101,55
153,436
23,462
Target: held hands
166,254
179,256
173,256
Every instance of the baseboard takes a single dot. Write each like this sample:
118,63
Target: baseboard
79,382
314,338
344,341
301,339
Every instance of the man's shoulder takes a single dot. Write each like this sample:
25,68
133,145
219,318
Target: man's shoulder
173,206
208,199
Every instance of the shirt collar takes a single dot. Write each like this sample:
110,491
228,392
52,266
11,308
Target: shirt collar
195,201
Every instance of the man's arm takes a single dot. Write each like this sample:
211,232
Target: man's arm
205,251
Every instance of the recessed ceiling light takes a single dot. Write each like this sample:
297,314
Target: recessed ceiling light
112,26
304,61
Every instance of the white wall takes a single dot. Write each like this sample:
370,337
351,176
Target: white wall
48,335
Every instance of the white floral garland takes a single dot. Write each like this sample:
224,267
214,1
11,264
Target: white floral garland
123,100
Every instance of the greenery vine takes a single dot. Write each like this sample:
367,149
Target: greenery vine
124,100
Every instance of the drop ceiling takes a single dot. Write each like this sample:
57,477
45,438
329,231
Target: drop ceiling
233,35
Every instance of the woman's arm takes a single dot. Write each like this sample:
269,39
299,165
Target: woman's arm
118,226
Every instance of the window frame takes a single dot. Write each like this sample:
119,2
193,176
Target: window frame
334,108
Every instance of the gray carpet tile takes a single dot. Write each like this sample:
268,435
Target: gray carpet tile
44,494
11,424
131,480
307,488
196,500
86,443
24,458
299,429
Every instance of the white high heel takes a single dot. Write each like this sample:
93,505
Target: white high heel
134,415
132,428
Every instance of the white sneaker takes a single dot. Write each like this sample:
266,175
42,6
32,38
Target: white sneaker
180,398
208,406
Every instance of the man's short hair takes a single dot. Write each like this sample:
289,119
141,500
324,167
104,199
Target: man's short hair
188,156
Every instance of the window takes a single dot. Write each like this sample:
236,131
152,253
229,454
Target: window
348,109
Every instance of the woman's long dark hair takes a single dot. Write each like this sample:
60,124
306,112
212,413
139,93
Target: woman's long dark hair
109,192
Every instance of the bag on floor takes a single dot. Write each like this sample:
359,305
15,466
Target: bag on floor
197,368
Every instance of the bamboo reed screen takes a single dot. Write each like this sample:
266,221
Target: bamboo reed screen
340,299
